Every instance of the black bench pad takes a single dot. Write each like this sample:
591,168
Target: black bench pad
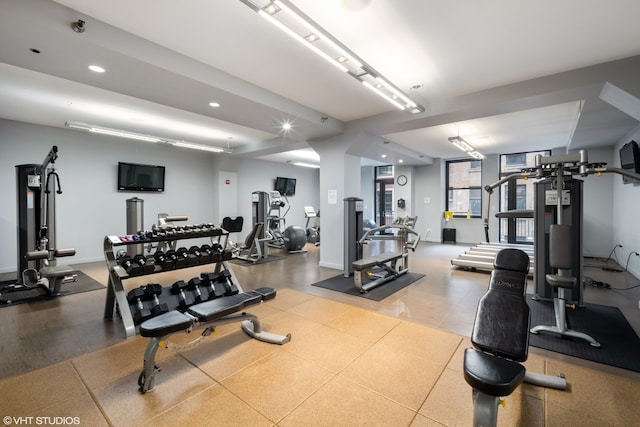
166,323
217,308
491,375
175,321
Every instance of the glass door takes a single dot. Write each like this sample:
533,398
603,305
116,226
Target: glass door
384,202
384,187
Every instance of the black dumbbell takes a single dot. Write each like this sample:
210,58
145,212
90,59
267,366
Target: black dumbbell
178,260
224,278
184,301
206,254
130,266
147,264
194,285
152,291
217,252
216,290
199,256
226,255
163,261
141,313
189,258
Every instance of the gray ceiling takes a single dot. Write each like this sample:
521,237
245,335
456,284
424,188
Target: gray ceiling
506,76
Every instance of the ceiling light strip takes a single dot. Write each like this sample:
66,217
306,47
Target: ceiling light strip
356,68
302,40
384,95
141,137
397,92
306,21
466,147
305,165
194,146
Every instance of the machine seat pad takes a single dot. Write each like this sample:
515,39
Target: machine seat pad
558,281
165,324
372,261
490,374
56,271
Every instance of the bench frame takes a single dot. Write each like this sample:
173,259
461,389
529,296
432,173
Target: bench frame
386,267
250,324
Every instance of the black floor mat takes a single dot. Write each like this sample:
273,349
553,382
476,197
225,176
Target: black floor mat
345,285
620,345
10,296
269,258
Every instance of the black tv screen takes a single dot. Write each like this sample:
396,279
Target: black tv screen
135,177
286,186
630,160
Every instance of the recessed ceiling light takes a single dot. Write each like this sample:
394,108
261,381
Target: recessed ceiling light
400,161
286,126
384,156
214,104
96,68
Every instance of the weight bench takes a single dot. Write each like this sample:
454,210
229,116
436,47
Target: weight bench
383,267
207,316
500,339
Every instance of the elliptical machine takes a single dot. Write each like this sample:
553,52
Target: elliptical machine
292,238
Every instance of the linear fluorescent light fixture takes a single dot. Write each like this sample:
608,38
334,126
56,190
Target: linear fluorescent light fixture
466,147
194,146
305,165
460,143
111,132
141,137
291,20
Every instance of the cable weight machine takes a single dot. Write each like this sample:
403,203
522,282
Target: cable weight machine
558,200
37,187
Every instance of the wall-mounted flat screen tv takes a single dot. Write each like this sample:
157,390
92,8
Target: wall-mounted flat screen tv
286,186
630,160
136,177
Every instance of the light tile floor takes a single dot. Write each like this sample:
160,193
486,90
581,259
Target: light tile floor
351,361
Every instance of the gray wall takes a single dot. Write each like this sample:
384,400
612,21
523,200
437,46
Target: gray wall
625,213
91,208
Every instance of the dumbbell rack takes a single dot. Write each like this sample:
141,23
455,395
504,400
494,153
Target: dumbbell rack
116,295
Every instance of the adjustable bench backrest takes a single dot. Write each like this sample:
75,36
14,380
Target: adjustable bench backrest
501,325
233,225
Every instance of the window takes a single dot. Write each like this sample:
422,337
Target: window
517,194
464,188
383,172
